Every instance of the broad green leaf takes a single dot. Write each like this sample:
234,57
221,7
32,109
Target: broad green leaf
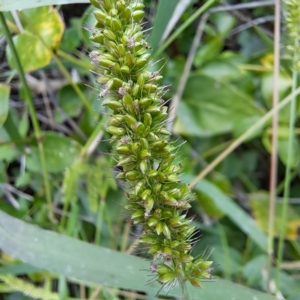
210,107
205,200
252,270
224,22
32,53
60,152
230,257
8,153
208,51
283,141
243,125
94,265
260,204
71,39
22,180
42,25
237,215
284,87
163,15
4,102
250,49
69,101
6,5
285,83
46,22
222,70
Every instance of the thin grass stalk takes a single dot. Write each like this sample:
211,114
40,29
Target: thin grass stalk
75,60
274,151
287,181
208,4
280,186
292,45
75,86
35,123
99,223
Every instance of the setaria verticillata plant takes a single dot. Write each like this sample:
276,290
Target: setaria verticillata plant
156,198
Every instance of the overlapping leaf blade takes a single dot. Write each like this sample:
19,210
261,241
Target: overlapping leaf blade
96,265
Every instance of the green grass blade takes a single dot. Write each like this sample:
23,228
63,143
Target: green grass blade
163,15
88,263
287,182
6,5
4,100
184,26
233,211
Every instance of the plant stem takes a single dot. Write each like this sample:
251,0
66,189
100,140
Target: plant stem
280,186
287,180
188,22
75,60
74,85
125,236
36,127
274,151
99,222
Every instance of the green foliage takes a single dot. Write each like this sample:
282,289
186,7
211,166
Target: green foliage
16,4
229,88
69,101
4,99
61,151
43,30
27,288
71,180
97,265
210,114
164,13
293,26
95,174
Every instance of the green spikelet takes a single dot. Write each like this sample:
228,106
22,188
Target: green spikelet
28,289
293,28
157,199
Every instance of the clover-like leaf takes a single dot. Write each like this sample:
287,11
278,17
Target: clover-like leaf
32,52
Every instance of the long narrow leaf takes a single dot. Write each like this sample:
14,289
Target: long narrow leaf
237,215
163,15
96,265
6,5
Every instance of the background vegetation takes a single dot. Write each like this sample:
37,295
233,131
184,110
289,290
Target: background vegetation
56,168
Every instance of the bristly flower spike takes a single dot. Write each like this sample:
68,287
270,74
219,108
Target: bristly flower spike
156,198
293,30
